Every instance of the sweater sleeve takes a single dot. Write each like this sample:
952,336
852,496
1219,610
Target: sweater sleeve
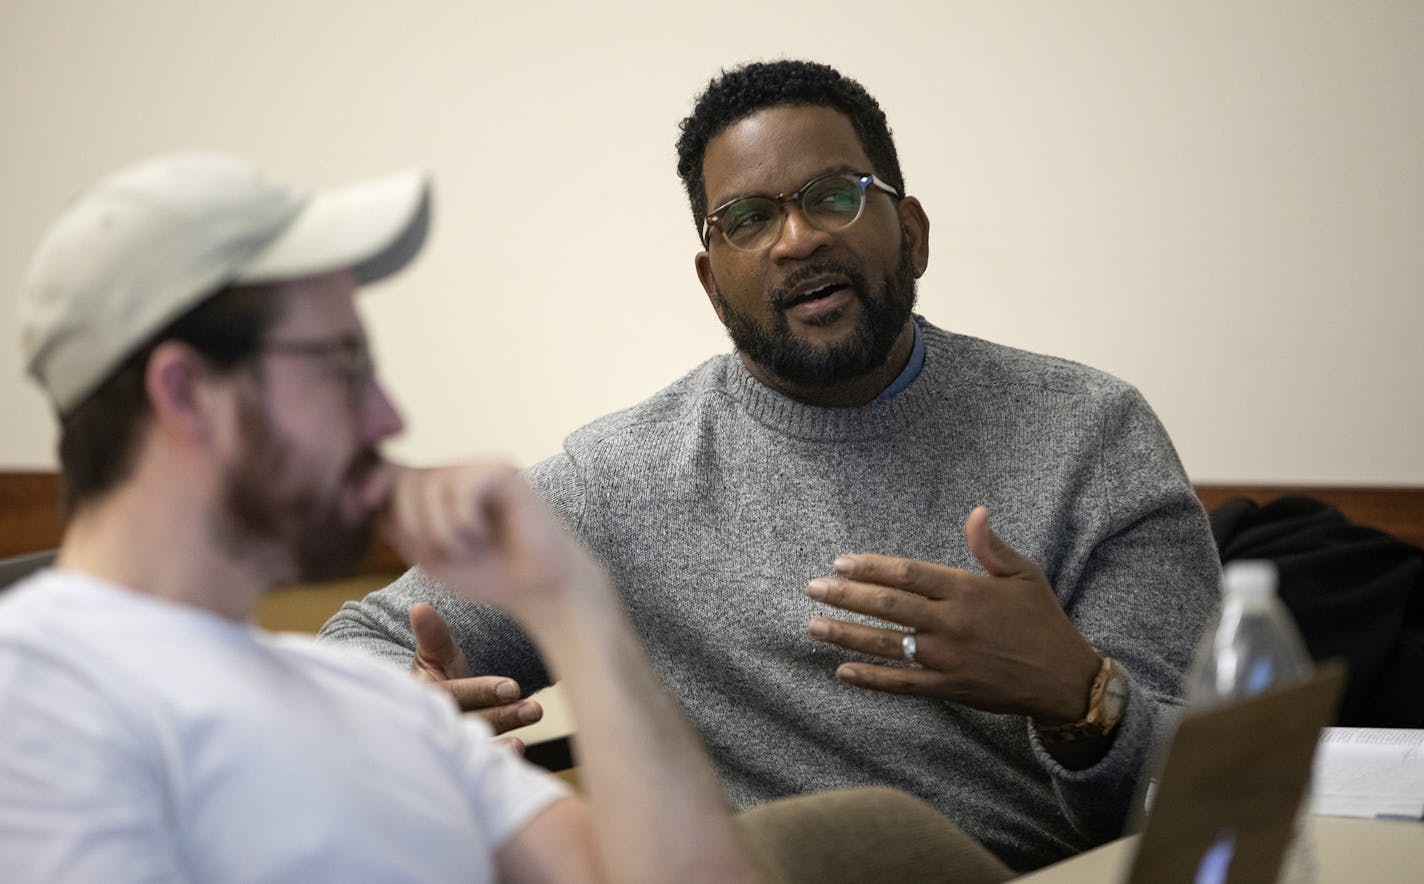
379,625
1142,584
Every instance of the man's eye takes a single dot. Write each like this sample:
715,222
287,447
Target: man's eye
834,201
352,365
746,221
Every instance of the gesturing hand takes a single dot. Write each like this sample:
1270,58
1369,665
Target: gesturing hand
439,661
998,641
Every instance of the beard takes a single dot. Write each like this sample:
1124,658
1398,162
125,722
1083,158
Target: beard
307,523
883,315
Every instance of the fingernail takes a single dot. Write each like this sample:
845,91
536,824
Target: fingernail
530,712
513,744
818,627
844,564
507,691
845,673
818,588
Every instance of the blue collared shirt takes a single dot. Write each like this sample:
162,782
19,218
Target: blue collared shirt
911,370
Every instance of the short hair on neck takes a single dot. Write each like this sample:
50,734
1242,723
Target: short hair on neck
99,438
736,94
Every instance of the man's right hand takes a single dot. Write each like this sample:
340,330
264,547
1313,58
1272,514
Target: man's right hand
439,661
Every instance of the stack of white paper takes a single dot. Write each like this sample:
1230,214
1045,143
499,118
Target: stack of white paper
1369,772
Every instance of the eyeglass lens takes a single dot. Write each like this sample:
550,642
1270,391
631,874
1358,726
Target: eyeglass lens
829,204
347,360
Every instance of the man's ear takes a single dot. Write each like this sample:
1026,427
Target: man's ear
181,391
703,262
916,226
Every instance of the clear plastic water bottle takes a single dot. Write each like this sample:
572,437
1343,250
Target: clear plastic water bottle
1253,645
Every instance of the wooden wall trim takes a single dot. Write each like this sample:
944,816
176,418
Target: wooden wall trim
30,512
1396,511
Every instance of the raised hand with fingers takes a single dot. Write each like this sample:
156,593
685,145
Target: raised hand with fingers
482,531
997,641
439,661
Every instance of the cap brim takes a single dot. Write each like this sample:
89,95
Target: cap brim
373,229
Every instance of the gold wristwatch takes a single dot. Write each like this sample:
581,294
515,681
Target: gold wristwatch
1106,702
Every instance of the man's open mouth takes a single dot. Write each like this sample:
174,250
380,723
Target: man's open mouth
815,293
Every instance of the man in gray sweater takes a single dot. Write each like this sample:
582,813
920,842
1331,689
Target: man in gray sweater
802,530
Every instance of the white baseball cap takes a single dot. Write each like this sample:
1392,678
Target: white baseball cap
152,241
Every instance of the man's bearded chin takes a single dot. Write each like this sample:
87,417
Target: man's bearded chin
321,540
775,348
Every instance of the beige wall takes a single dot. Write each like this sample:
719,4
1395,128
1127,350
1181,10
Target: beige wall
1222,202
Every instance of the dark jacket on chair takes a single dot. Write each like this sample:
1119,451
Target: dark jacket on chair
1356,592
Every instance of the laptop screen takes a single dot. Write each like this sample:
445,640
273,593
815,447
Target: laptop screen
1231,784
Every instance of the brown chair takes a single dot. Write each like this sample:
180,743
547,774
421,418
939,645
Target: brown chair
864,834
15,568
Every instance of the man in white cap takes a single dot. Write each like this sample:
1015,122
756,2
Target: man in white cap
194,326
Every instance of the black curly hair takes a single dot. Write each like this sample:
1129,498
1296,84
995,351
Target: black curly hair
741,92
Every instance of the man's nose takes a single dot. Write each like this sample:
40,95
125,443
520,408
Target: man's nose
798,237
379,417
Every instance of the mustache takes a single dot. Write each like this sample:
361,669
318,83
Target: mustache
820,267
364,463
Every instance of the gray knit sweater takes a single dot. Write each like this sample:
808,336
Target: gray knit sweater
715,501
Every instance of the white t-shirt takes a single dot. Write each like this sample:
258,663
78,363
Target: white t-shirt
147,741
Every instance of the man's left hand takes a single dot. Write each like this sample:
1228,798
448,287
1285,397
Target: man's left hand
998,641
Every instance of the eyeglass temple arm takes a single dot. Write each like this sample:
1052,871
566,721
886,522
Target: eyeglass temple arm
875,179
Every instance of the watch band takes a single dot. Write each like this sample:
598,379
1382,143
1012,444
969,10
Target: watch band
1105,708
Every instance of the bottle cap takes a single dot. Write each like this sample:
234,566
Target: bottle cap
1249,578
